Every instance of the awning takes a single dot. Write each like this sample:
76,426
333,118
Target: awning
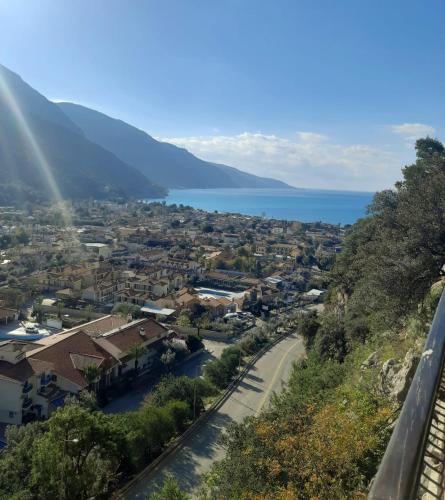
163,311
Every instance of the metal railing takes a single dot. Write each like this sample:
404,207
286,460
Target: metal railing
413,464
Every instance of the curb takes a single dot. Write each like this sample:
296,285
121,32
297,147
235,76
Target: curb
180,440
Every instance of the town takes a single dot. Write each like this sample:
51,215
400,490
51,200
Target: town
97,294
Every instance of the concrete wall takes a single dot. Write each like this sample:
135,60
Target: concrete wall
206,334
76,313
10,401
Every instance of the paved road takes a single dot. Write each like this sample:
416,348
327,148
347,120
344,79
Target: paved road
196,455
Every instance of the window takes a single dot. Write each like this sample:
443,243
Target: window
11,414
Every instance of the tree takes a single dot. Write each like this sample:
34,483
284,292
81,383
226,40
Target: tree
78,456
170,491
92,374
60,307
184,319
191,391
168,358
16,460
89,309
391,258
220,371
136,352
147,431
125,310
37,310
194,343
308,325
330,341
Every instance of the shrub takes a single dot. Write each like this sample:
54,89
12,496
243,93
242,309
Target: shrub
194,343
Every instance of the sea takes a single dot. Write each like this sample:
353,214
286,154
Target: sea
305,205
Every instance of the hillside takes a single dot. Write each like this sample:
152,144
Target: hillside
163,163
44,154
325,434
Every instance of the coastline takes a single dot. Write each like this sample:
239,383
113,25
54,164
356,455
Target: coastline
292,204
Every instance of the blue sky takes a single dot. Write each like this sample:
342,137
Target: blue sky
326,93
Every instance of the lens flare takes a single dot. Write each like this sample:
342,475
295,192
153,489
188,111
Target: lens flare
28,136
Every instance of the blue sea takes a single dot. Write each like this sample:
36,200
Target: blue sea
305,205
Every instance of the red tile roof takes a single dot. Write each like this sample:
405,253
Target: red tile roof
59,355
127,337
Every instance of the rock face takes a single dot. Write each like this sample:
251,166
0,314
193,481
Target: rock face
370,361
395,378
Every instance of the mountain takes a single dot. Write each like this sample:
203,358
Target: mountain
163,163
44,155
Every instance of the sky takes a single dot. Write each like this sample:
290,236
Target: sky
324,94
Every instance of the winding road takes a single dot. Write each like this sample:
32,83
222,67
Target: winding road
196,455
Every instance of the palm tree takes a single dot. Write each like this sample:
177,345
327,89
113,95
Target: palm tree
92,373
60,308
87,311
135,353
37,310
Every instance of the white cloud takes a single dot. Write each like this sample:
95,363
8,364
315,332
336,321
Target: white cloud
413,131
306,160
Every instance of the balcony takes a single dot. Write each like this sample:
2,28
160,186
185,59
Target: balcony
26,388
413,466
45,380
27,403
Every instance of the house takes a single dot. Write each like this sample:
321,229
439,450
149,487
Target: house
7,315
35,378
185,299
98,250
103,292
146,333
219,307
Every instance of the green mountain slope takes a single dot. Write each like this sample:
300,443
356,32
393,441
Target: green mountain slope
43,153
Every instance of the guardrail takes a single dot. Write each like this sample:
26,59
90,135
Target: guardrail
180,440
413,464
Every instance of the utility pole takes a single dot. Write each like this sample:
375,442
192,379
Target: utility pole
194,394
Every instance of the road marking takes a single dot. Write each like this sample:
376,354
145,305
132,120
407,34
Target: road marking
274,378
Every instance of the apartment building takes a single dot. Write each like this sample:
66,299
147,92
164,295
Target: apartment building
35,378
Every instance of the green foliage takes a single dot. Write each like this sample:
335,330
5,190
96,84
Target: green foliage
92,373
194,343
253,342
307,445
391,258
325,434
221,371
330,340
205,322
191,391
184,319
308,326
16,461
136,352
168,358
74,455
170,491
125,310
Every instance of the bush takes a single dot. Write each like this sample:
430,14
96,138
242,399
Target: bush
191,391
220,371
216,373
194,343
